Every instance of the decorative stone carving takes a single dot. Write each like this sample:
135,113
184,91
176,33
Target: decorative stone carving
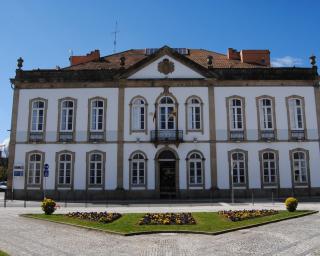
166,66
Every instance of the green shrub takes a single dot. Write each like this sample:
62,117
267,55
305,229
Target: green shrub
291,204
48,206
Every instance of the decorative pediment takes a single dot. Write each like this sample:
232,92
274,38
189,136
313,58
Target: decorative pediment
166,67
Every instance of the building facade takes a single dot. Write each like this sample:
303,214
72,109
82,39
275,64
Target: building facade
166,123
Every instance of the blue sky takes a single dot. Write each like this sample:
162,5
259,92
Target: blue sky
43,32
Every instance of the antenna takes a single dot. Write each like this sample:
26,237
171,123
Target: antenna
115,32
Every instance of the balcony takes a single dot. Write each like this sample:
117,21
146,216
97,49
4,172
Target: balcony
267,135
237,135
167,136
96,136
65,136
297,134
36,136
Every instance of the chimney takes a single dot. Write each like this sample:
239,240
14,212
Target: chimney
256,57
94,55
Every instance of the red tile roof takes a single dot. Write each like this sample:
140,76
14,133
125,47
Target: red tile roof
135,55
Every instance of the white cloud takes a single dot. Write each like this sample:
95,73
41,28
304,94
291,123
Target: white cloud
286,61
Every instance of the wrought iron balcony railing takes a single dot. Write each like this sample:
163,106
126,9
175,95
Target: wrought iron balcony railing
174,136
65,136
297,134
237,135
267,135
96,136
36,136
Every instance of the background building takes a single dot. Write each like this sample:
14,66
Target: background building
166,123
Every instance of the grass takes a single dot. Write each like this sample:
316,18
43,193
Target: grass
207,222
3,253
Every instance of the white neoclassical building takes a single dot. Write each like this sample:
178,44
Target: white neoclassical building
165,123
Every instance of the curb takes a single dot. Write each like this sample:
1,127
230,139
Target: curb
174,231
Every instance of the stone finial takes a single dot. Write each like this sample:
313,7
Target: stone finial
20,63
312,60
122,61
209,61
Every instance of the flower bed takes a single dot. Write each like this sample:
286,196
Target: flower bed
167,219
246,214
103,217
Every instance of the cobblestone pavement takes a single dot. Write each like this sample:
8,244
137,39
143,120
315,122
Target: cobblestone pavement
21,236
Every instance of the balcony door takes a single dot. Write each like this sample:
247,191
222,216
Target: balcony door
167,114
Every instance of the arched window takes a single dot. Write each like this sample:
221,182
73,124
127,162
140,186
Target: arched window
67,116
269,167
37,115
236,114
299,164
35,168
296,113
238,168
194,114
195,166
138,169
65,168
266,114
97,115
167,113
95,169
138,114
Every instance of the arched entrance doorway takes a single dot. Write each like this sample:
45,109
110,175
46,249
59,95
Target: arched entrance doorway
167,173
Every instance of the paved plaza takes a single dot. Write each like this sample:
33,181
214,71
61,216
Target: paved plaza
22,236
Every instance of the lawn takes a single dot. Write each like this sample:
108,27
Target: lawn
3,253
207,222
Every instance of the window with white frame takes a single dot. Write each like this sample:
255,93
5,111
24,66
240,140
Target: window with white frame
34,168
296,114
299,167
96,169
167,113
138,114
138,169
266,114
238,164
269,167
65,168
37,116
236,114
97,115
195,169
67,113
194,114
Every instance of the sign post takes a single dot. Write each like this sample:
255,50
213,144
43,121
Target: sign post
45,175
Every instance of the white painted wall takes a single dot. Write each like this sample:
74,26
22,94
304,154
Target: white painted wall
80,151
82,96
254,165
151,71
250,94
181,94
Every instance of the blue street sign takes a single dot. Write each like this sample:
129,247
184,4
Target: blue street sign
18,173
46,170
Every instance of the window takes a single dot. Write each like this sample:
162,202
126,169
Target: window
97,115
34,168
238,168
138,169
167,113
195,169
269,168
65,169
37,116
299,167
194,114
67,113
266,114
236,114
296,113
138,113
95,169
